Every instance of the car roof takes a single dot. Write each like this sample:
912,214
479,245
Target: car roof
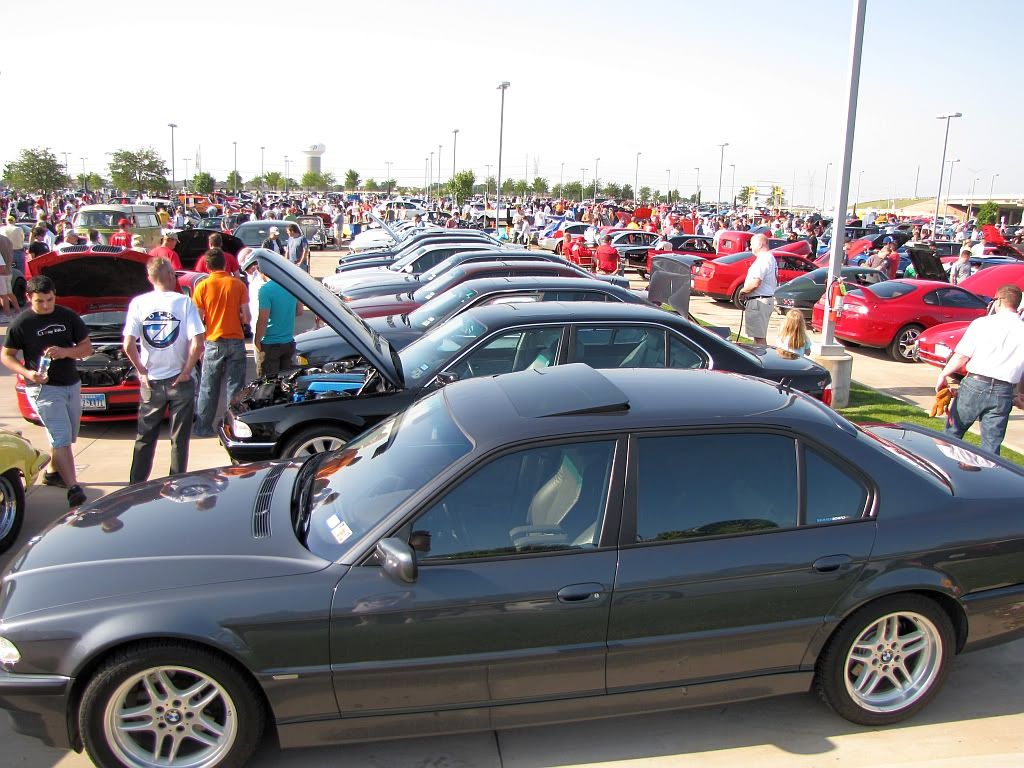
469,267
575,399
534,282
599,311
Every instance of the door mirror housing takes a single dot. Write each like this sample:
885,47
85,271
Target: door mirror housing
398,560
444,378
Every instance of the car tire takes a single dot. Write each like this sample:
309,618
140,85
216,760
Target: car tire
313,440
12,508
220,723
901,345
643,274
877,637
736,300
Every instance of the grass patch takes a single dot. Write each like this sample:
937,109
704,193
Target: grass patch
868,406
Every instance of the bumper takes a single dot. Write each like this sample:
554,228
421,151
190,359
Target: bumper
38,705
932,355
121,403
242,450
994,616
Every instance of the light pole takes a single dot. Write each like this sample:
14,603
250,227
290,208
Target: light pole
596,160
438,171
487,183
286,174
698,182
455,139
85,179
186,175
263,180
502,86
668,181
430,178
66,171
992,185
970,202
721,165
636,177
172,126
388,164
235,171
856,200
583,182
949,185
732,193
942,166
561,175
824,188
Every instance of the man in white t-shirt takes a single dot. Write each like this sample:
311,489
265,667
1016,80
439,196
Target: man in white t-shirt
759,289
992,349
164,338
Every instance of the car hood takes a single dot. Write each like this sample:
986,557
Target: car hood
94,281
367,342
800,286
985,282
323,345
339,281
927,263
779,361
173,533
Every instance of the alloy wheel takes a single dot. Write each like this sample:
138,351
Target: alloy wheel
8,506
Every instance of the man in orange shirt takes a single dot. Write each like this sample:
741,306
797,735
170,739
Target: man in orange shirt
223,303
124,236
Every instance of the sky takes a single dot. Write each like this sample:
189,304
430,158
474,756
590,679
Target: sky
378,82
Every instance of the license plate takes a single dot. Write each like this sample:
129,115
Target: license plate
94,402
786,302
941,350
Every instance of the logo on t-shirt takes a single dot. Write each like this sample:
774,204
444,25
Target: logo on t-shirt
52,329
160,329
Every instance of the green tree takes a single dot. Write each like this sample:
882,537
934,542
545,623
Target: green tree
626,192
234,180
987,213
746,194
392,185
203,183
612,190
656,196
90,181
556,191
461,186
36,170
257,181
520,188
508,186
318,181
572,190
370,185
645,194
540,186
490,185
142,169
274,180
351,179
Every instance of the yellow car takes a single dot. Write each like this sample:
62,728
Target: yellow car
20,464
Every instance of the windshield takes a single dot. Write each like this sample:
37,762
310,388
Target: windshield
432,351
99,219
439,285
356,487
440,307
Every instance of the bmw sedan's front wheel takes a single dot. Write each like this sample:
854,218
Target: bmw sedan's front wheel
12,508
887,660
172,705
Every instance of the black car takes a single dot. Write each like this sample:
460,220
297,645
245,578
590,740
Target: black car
802,292
316,409
515,550
363,259
414,263
254,233
323,345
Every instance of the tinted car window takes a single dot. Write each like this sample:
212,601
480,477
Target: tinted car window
527,348
833,495
707,485
536,500
891,289
682,355
955,297
577,296
620,347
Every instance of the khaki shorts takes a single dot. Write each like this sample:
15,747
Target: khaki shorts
757,315
5,285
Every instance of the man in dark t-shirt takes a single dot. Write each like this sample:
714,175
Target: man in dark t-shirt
46,331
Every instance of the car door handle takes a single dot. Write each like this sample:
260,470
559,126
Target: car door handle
580,593
831,563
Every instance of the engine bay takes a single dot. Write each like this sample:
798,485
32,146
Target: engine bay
344,378
107,366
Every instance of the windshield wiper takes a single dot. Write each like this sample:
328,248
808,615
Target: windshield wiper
302,506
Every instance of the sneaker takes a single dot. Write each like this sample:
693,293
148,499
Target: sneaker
54,479
76,496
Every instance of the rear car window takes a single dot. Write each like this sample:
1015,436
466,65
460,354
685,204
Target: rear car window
890,289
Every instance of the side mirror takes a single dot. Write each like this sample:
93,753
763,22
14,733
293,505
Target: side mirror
447,377
409,268
398,560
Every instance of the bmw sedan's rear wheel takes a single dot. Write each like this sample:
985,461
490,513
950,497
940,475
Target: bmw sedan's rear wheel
171,705
904,344
315,440
887,661
12,508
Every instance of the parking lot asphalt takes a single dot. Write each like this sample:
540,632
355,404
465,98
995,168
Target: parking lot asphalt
977,721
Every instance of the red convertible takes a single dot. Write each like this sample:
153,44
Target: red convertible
98,286
722,278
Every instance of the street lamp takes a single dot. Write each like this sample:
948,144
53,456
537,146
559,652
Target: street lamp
263,181
235,172
824,187
856,200
596,160
698,182
85,179
970,201
430,178
438,171
668,181
286,174
942,166
455,139
583,182
721,165
502,86
732,193
66,171
636,177
992,185
388,164
185,185
561,175
487,183
172,126
949,185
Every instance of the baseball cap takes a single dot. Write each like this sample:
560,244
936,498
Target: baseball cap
273,231
122,222
887,240
248,258
170,235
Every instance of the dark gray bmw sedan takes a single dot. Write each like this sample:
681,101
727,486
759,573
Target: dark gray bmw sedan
537,547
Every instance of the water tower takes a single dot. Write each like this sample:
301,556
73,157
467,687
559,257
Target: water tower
313,154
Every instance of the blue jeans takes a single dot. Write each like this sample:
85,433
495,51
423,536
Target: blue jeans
224,358
982,401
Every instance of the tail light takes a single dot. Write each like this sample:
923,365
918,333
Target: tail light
826,395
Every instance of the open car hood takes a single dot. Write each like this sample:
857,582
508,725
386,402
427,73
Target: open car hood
192,244
985,282
99,280
315,295
927,263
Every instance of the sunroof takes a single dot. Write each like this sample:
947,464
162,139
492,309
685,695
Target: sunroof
562,390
